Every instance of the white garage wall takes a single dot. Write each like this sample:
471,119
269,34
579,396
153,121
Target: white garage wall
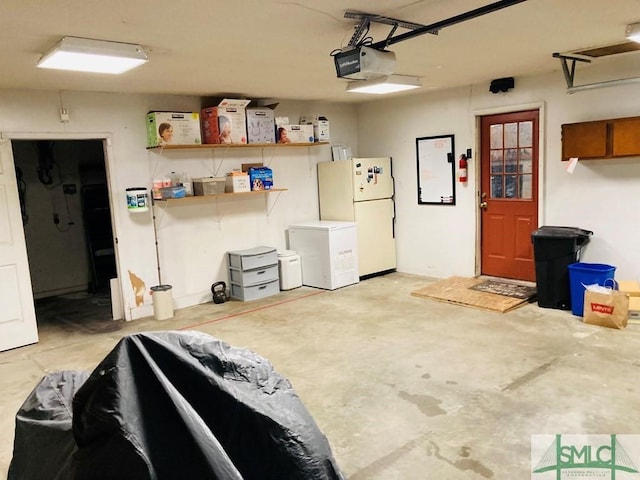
602,195
432,240
192,238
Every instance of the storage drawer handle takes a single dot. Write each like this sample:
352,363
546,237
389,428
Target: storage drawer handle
262,287
261,272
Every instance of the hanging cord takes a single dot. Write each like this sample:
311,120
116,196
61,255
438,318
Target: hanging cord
46,163
22,195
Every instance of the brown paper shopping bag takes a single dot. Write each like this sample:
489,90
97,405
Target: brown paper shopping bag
606,309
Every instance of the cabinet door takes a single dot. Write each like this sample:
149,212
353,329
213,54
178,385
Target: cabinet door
626,137
584,140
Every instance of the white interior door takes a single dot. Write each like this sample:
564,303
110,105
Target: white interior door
18,325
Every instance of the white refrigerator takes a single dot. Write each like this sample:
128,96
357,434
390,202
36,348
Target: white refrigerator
328,253
361,190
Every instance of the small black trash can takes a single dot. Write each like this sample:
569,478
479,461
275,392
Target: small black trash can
554,249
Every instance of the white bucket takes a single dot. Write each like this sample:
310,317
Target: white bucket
137,199
289,270
162,302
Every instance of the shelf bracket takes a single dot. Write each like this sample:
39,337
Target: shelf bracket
266,202
569,72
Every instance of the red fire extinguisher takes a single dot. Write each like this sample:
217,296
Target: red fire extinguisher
462,169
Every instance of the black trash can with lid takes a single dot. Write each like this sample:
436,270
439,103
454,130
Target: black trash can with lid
554,249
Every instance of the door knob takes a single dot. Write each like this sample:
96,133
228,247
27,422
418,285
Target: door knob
483,205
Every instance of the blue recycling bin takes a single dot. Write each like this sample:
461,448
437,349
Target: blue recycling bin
581,274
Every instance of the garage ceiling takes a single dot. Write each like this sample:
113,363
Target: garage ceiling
280,49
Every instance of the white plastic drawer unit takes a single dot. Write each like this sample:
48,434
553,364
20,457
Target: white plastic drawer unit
255,276
253,258
255,292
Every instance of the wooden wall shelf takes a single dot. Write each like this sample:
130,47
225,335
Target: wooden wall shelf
194,198
236,145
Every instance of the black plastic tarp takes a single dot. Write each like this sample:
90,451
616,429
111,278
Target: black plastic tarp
43,444
184,405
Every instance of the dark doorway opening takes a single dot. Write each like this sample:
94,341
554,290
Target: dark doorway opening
64,200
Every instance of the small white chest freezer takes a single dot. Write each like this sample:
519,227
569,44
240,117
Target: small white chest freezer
328,251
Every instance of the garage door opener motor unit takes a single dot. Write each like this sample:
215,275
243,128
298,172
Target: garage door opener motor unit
363,63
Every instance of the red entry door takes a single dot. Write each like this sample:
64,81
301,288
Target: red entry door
509,194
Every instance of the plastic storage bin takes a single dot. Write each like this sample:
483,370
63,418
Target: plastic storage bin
554,249
582,274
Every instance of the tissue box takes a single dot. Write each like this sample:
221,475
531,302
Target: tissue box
294,134
173,128
261,178
237,182
231,122
208,185
260,125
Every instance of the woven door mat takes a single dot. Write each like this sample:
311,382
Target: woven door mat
507,289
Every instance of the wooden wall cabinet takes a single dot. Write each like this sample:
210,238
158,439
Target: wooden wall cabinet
619,137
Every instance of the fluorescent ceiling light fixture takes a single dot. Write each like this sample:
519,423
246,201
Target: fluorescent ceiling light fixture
633,32
382,85
98,56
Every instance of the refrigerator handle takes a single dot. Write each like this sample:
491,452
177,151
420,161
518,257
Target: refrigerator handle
393,220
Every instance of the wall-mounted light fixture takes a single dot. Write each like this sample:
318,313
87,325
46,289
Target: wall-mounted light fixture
88,55
633,32
386,84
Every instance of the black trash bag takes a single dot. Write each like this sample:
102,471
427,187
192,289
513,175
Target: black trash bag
174,405
44,443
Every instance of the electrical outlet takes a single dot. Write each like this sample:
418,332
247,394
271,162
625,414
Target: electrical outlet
69,188
56,219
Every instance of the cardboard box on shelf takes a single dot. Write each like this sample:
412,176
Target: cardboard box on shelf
261,178
208,185
294,134
320,127
321,131
247,166
173,128
237,182
231,122
261,127
209,125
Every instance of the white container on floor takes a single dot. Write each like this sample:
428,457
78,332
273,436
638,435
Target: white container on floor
162,302
290,270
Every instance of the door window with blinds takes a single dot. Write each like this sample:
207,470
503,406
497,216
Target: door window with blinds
511,160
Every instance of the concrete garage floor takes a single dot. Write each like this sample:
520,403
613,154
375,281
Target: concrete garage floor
403,387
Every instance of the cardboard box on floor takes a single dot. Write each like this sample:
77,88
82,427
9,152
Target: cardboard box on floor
632,289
